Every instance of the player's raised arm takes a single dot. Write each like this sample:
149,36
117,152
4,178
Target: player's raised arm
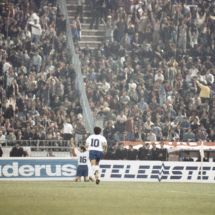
87,143
73,147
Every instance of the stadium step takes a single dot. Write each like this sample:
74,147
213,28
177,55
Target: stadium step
86,13
74,6
93,32
87,26
91,38
89,44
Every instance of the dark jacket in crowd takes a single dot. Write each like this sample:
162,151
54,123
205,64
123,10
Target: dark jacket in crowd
61,24
121,154
109,134
9,113
17,151
1,152
162,154
110,155
132,154
144,153
154,154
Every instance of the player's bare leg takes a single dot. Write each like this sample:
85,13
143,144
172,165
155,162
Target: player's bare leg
92,175
86,179
91,179
97,173
97,177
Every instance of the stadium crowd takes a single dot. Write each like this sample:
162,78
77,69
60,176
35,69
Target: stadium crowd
153,77
38,97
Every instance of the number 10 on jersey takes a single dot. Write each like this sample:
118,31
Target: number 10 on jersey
94,142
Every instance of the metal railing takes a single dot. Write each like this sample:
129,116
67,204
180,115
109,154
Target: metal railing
87,113
39,148
37,143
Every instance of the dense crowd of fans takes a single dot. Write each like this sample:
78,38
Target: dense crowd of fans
153,77
38,97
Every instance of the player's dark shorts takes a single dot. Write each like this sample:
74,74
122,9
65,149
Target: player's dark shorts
82,170
96,155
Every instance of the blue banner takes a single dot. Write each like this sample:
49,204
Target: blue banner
38,168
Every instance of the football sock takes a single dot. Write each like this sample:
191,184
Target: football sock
92,171
97,171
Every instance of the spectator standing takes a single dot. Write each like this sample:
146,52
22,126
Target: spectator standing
79,10
36,30
18,151
2,138
144,152
109,29
61,24
96,11
37,61
131,153
205,91
154,152
121,152
151,136
67,129
109,132
11,137
79,130
162,153
187,157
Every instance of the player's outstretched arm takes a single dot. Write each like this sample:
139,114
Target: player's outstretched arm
73,147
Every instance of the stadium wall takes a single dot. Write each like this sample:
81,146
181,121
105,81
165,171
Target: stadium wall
133,171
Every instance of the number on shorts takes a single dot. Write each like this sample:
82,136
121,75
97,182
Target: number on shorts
94,142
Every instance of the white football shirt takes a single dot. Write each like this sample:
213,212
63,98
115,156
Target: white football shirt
96,142
83,158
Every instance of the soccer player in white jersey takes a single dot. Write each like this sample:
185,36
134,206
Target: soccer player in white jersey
97,146
83,162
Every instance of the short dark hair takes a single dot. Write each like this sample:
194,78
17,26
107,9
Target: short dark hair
82,148
97,130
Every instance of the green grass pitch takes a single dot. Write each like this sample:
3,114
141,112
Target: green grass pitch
108,198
